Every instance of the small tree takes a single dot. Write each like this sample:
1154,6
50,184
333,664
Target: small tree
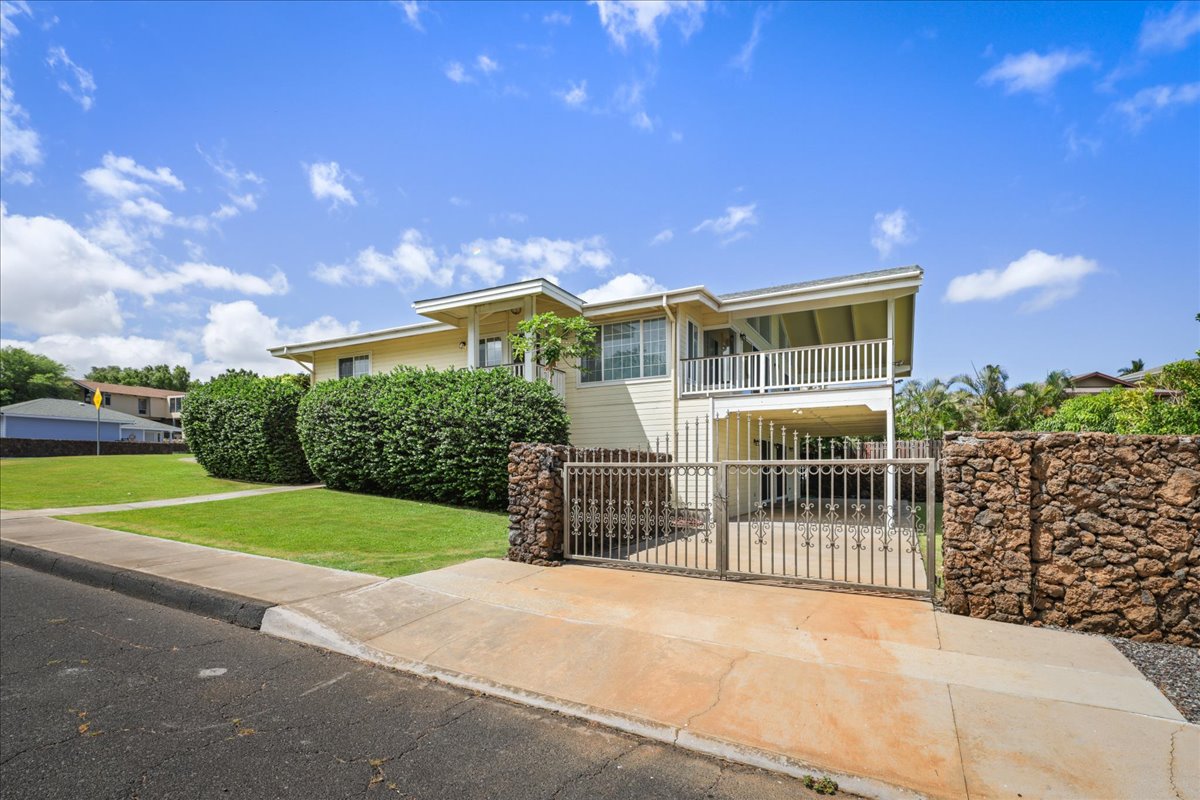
553,339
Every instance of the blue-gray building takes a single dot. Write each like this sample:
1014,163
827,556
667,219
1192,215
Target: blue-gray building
49,418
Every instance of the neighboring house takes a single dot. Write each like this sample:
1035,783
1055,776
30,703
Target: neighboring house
160,405
49,418
1095,383
819,357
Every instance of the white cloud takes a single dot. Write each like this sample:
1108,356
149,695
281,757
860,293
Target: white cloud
557,18
411,262
9,10
235,335
76,81
745,57
1155,100
1050,277
236,181
459,202
623,19
81,353
120,177
536,257
20,145
56,280
731,225
1033,72
662,237
238,334
509,218
456,72
486,65
575,95
327,181
1169,32
676,136
641,120
891,229
628,285
1079,144
412,13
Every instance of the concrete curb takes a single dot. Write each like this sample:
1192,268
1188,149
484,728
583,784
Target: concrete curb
223,606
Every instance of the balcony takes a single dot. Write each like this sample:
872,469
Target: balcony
793,369
555,377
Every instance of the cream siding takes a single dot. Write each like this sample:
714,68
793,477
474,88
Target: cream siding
438,350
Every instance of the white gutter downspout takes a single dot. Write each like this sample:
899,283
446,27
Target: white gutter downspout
674,381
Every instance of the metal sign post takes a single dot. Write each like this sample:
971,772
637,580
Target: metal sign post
97,399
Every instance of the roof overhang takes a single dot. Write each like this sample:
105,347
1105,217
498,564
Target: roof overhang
452,308
853,289
298,351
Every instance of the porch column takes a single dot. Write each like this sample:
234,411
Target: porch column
890,486
472,338
530,310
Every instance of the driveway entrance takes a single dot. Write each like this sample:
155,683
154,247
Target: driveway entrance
845,523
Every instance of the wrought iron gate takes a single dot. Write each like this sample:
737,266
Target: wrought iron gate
864,523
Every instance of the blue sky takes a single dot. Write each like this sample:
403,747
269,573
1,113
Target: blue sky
192,183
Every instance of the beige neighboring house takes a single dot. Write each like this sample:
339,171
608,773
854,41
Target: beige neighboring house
144,402
819,357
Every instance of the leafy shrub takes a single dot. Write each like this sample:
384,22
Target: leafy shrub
1137,410
244,428
424,434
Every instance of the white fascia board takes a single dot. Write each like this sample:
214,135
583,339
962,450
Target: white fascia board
878,288
304,348
508,292
693,294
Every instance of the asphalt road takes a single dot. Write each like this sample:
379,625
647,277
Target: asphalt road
102,695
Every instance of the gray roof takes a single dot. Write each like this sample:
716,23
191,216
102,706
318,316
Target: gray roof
53,408
1141,375
787,287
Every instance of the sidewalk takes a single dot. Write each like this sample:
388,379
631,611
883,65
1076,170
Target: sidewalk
885,694
7,514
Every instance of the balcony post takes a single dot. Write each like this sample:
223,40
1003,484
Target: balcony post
890,486
472,337
530,309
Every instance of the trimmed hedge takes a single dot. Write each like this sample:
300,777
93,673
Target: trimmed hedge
426,435
244,428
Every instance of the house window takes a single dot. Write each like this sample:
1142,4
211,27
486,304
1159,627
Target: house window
175,404
491,352
107,398
636,349
354,366
693,340
143,405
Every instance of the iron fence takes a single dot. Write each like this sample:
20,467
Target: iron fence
841,522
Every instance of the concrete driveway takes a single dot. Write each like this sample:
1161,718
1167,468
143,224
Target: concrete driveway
884,693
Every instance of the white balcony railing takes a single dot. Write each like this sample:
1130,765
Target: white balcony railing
555,377
793,369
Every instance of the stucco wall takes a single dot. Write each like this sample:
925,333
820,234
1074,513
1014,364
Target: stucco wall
1089,531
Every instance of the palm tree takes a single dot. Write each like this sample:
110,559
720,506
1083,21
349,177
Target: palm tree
927,410
1137,365
989,397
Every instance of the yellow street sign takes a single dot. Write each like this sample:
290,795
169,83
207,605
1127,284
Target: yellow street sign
97,399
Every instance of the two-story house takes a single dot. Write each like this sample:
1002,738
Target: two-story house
145,402
818,357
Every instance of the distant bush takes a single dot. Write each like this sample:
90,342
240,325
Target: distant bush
244,428
1137,410
426,435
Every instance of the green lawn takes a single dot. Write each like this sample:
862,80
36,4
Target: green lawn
378,535
100,480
